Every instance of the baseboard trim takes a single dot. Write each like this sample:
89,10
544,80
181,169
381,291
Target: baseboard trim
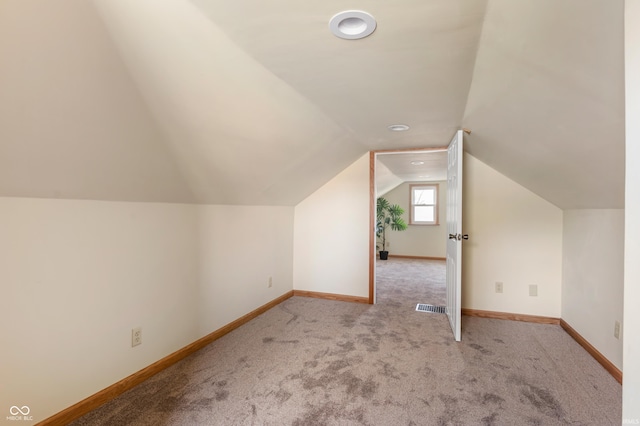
510,316
591,350
608,365
331,296
402,256
96,400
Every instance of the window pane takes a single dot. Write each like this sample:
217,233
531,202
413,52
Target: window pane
423,214
424,196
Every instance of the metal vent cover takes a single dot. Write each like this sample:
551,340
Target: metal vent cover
423,307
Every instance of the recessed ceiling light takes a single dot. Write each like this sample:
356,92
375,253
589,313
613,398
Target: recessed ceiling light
398,128
352,24
424,176
417,163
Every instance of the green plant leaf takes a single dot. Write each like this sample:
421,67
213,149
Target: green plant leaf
388,216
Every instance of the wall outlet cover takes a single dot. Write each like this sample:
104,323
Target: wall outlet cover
136,336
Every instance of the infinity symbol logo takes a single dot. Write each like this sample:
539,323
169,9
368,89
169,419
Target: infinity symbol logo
15,410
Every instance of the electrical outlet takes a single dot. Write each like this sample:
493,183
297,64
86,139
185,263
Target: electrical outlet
533,290
499,287
270,282
136,336
616,330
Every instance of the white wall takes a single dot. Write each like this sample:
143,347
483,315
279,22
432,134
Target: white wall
631,351
240,248
419,240
76,276
593,277
515,237
385,179
70,114
331,235
80,275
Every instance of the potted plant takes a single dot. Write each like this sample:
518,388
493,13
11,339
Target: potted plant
388,216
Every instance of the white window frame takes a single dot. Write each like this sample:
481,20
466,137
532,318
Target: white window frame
412,188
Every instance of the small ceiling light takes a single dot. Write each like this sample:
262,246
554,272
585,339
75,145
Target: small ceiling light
417,163
398,128
352,24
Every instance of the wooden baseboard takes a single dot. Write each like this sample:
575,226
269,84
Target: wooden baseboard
331,296
608,365
94,401
402,256
510,316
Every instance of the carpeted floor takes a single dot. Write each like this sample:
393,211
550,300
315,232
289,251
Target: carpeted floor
318,362
399,281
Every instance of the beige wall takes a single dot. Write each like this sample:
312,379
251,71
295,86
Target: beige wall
77,276
418,240
240,247
515,238
70,114
331,235
593,277
631,327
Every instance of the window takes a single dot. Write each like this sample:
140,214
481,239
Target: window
424,204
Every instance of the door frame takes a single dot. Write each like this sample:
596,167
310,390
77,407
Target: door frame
372,209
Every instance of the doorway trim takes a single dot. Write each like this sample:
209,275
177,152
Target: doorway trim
372,209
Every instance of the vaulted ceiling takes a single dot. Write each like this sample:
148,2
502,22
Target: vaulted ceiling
254,102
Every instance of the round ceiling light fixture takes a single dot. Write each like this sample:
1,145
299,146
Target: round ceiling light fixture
398,128
417,163
352,24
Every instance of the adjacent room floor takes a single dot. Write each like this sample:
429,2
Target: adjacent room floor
400,279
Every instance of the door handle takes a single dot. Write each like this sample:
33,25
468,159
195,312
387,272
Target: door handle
458,237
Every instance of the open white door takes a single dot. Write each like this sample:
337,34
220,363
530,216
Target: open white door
454,231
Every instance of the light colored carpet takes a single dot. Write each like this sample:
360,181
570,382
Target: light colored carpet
319,362
399,281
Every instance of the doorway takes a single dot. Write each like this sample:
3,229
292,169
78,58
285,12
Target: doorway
421,164
417,255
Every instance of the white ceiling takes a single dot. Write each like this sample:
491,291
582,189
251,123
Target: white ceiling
411,166
253,102
394,168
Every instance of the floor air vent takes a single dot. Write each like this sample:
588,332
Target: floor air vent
422,307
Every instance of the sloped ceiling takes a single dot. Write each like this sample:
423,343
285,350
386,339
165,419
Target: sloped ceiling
394,168
72,123
547,101
252,102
